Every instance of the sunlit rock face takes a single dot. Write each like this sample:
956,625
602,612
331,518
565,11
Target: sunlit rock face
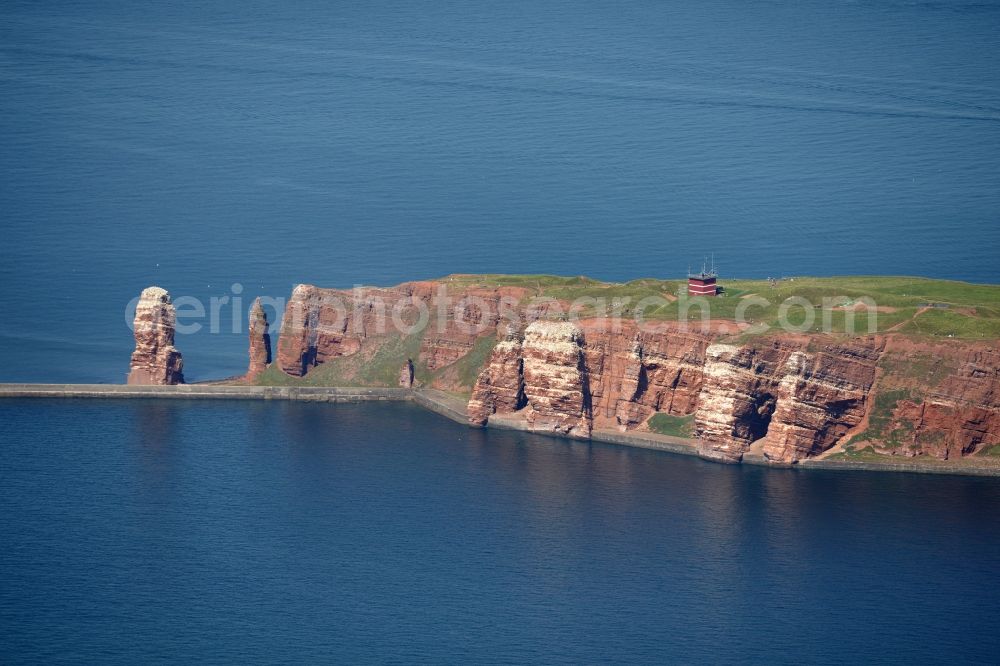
737,398
155,359
822,395
260,342
799,395
555,379
936,399
500,386
630,374
791,396
320,325
634,373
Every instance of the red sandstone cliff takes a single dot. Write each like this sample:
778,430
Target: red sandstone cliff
789,396
260,342
440,324
634,373
155,359
822,395
935,399
500,386
555,379
630,374
804,394
795,396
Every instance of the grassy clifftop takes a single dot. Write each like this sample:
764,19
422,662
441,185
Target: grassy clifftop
909,305
914,307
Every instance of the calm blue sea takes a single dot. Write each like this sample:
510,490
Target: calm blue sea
198,145
144,531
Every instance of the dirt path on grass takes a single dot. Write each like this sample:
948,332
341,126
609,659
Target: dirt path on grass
896,327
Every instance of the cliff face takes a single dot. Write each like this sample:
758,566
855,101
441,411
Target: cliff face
635,373
802,394
260,342
555,379
442,324
795,396
630,374
941,400
823,395
738,398
320,324
469,314
155,359
785,397
500,386
544,375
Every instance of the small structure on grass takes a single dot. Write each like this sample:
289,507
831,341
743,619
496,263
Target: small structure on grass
704,283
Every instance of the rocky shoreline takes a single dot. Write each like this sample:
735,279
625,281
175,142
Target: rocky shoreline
543,354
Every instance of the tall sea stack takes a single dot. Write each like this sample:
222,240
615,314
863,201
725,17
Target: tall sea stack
260,342
155,359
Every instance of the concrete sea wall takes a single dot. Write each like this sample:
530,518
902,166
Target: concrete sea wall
204,391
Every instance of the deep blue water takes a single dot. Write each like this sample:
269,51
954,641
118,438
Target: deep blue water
199,144
196,145
140,530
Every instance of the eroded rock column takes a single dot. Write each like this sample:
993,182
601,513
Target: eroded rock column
155,359
260,342
555,379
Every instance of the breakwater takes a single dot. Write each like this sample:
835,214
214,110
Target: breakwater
205,391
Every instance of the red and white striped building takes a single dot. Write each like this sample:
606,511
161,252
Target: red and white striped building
703,283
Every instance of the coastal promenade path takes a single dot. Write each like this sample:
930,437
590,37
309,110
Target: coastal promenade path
200,391
446,404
